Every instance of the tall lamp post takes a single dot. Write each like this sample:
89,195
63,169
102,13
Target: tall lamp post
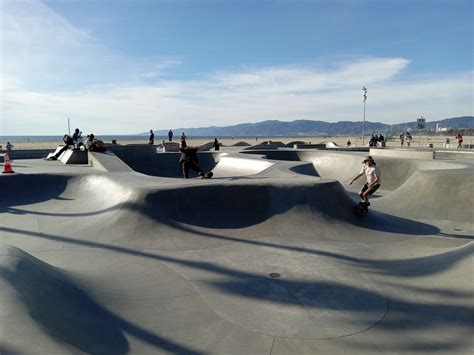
364,89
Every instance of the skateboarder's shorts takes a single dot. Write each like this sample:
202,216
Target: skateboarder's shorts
371,190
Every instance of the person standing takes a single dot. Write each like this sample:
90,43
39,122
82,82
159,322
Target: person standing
170,135
408,139
151,139
183,140
373,175
216,144
402,139
9,147
459,139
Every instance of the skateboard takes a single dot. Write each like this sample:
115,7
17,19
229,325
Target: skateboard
207,175
362,208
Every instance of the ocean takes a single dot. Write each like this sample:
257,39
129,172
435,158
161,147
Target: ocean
105,138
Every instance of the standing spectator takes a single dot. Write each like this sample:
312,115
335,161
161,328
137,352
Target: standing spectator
447,142
151,140
183,140
402,139
170,135
9,147
408,139
459,139
216,144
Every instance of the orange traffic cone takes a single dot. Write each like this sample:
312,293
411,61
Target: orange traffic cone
7,165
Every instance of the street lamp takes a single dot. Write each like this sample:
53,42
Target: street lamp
364,89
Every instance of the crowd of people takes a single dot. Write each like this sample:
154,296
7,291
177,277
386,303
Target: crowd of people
76,142
405,139
377,141
96,145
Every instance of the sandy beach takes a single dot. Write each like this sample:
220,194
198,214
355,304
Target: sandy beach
418,141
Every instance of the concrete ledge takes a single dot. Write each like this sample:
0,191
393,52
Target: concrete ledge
74,157
402,153
27,154
454,154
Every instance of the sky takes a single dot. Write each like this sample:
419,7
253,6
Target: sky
127,66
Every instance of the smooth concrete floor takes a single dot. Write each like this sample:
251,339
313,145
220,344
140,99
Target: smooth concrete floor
266,258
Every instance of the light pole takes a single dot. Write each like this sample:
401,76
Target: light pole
364,89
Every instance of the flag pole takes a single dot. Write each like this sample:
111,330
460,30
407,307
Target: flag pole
364,89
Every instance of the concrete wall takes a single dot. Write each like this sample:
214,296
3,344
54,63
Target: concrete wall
402,153
27,154
454,154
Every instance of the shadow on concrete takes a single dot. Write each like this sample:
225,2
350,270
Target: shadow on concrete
30,189
228,206
69,314
405,315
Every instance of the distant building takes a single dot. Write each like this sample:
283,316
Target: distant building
441,129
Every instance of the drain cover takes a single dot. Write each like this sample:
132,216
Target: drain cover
274,275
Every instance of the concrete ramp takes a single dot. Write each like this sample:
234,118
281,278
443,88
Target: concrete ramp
146,160
267,258
108,162
434,194
229,166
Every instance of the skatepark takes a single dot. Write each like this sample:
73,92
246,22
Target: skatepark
119,254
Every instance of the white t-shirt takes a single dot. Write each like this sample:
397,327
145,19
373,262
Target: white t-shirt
371,172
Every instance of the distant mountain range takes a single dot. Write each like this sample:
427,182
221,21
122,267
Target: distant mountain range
274,128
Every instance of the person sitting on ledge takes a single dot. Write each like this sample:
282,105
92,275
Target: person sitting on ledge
77,137
95,145
67,142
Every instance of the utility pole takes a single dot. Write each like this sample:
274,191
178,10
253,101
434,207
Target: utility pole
68,127
364,89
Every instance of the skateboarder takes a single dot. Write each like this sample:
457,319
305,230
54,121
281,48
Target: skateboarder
373,175
189,160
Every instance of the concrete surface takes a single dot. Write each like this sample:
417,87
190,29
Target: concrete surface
122,255
403,153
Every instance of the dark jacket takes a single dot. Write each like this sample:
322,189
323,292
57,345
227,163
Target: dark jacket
188,154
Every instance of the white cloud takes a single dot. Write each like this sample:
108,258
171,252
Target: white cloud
53,70
132,109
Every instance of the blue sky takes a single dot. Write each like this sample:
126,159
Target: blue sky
122,67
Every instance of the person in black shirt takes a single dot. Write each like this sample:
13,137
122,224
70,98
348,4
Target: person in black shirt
189,160
67,142
216,144
151,140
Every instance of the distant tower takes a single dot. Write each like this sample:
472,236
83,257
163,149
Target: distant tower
364,89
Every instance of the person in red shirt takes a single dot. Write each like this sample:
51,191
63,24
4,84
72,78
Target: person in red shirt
460,139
